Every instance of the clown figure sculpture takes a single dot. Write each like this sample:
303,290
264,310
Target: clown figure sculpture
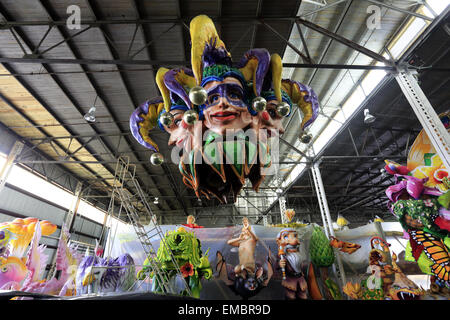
291,264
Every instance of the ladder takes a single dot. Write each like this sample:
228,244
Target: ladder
136,207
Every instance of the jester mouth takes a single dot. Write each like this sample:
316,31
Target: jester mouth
180,143
225,115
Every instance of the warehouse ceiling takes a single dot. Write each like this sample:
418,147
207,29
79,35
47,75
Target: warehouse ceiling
52,75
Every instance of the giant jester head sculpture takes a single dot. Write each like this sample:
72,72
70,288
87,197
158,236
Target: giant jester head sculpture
220,115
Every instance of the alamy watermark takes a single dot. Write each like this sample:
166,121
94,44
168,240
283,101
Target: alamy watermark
374,20
73,22
264,141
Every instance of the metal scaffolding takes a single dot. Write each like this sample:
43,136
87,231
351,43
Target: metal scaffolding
138,211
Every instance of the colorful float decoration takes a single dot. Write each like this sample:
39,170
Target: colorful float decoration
23,270
220,115
190,222
97,275
386,281
247,278
291,265
322,257
420,200
185,248
289,214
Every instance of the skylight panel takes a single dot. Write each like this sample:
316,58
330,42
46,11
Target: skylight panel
437,5
403,42
372,79
354,101
91,212
36,185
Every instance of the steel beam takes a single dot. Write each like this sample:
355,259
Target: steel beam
322,8
6,168
303,42
120,62
326,218
288,43
428,118
415,14
344,41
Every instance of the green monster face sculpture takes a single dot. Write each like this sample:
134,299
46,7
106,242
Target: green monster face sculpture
186,249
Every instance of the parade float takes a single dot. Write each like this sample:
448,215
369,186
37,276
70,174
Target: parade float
220,117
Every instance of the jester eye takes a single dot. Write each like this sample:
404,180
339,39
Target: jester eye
213,98
4,269
272,113
235,95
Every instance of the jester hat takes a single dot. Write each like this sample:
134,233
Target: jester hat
212,62
291,91
173,97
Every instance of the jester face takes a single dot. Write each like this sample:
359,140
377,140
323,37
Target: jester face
225,107
177,131
270,121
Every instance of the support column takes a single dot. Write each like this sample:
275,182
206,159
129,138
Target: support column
326,218
428,118
68,222
282,202
70,217
265,221
6,169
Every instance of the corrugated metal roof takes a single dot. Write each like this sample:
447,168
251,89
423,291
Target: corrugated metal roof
65,95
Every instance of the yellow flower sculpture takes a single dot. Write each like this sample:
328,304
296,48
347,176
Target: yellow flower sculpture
436,172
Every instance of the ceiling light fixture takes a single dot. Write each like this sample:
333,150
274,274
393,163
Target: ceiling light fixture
90,116
368,118
156,200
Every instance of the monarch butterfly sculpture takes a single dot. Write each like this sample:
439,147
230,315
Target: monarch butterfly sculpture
420,200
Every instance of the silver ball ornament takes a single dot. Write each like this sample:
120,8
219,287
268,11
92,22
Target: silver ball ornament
305,137
283,109
259,104
198,95
190,117
166,119
156,159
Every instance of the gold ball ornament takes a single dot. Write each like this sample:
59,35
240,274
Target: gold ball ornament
305,137
198,95
259,104
283,109
190,117
166,119
156,159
